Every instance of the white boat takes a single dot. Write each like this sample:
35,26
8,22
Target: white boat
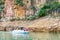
18,32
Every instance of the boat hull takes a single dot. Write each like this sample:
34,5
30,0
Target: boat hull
20,32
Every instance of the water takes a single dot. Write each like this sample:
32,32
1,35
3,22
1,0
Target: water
31,36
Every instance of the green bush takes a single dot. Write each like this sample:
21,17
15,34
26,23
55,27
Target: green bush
12,19
48,7
42,12
1,7
18,19
0,17
31,18
19,2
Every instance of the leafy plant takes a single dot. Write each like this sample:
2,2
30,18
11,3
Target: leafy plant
1,7
42,13
19,2
31,18
48,7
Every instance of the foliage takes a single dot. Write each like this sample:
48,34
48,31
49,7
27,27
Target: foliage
48,7
31,17
1,7
0,17
42,13
45,10
12,19
18,18
52,6
19,2
49,1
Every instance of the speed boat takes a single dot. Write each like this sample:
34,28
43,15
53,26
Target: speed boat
21,31
18,32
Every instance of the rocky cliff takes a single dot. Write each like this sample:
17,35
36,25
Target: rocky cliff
30,7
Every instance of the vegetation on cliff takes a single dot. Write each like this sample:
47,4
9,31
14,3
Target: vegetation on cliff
50,7
19,2
46,10
1,6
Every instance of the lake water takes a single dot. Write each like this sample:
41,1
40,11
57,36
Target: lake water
30,36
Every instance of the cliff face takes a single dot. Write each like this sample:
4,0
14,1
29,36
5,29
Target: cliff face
30,7
8,9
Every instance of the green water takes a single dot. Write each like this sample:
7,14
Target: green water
31,36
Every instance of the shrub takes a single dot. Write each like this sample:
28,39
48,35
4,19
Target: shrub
12,19
42,12
47,8
18,19
1,7
19,2
0,17
31,18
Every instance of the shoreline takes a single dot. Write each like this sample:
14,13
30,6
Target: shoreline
32,29
38,25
